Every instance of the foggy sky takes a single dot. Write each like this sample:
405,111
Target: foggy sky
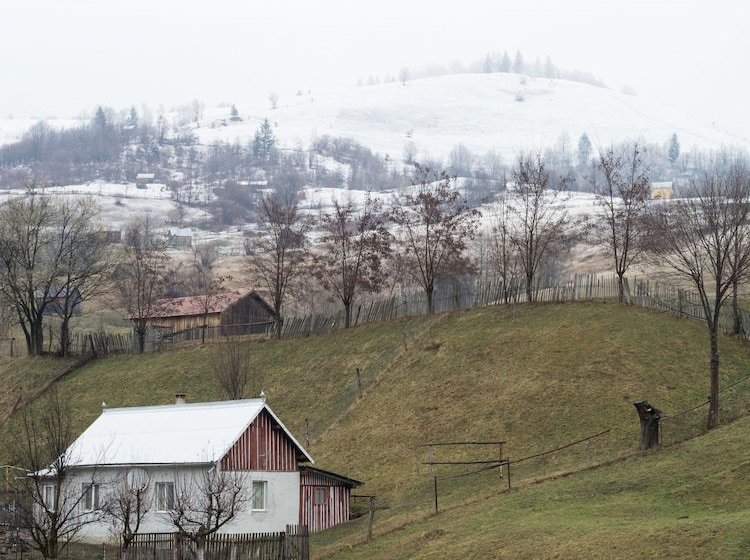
63,57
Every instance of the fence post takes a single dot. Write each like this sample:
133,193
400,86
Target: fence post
434,479
371,520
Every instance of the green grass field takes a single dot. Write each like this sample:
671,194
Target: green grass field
537,377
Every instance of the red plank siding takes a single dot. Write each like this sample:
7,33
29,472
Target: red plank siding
333,511
263,447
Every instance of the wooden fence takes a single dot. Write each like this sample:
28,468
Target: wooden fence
456,295
292,544
474,293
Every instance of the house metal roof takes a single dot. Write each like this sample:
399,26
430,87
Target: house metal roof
196,433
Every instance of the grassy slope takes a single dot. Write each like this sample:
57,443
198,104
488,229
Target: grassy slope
537,377
21,377
687,501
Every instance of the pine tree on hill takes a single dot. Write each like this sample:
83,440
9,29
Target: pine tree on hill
100,118
584,150
505,63
518,64
264,142
234,114
674,149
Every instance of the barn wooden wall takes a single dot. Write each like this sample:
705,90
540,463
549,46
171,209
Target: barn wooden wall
263,447
335,509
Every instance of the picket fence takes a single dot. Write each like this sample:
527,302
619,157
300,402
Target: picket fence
457,295
474,293
292,544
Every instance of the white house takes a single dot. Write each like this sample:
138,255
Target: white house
168,444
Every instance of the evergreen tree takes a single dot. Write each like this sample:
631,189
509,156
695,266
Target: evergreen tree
584,150
674,149
518,65
234,114
100,118
133,117
264,142
505,63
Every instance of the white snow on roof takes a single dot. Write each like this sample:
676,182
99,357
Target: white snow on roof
145,176
171,434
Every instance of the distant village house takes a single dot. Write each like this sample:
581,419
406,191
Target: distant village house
661,190
179,238
143,179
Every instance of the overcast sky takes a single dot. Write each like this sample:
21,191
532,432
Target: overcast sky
63,57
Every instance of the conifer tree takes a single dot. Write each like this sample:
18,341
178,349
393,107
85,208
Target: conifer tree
674,149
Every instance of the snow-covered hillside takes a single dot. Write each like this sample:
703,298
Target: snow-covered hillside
504,112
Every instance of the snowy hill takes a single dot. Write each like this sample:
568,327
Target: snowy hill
504,112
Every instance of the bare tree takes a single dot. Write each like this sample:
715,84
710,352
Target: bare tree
85,262
51,514
140,277
703,240
620,180
207,286
435,225
30,255
541,225
277,254
233,367
205,503
126,506
504,257
353,247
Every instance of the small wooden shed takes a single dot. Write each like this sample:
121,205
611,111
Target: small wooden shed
143,179
234,312
325,498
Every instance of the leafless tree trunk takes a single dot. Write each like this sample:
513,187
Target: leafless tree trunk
541,225
207,285
353,247
503,254
140,277
203,505
128,502
435,226
620,180
42,244
233,367
277,255
703,239
50,515
84,265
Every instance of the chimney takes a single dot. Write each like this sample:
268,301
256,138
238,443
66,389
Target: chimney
179,398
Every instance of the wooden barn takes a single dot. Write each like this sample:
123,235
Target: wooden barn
233,312
143,179
179,238
324,499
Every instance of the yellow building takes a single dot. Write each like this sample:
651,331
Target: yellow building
661,190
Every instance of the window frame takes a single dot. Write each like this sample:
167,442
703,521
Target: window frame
168,507
324,490
90,490
49,487
264,485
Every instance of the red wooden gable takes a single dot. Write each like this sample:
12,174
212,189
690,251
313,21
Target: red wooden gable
264,446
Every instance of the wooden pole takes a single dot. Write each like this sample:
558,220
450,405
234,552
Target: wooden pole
434,479
371,519
359,385
508,474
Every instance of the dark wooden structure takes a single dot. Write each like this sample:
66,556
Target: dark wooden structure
325,498
231,313
650,418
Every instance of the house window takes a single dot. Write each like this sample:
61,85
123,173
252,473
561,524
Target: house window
164,496
90,497
48,495
258,498
319,497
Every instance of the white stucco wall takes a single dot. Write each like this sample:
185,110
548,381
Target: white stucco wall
282,500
